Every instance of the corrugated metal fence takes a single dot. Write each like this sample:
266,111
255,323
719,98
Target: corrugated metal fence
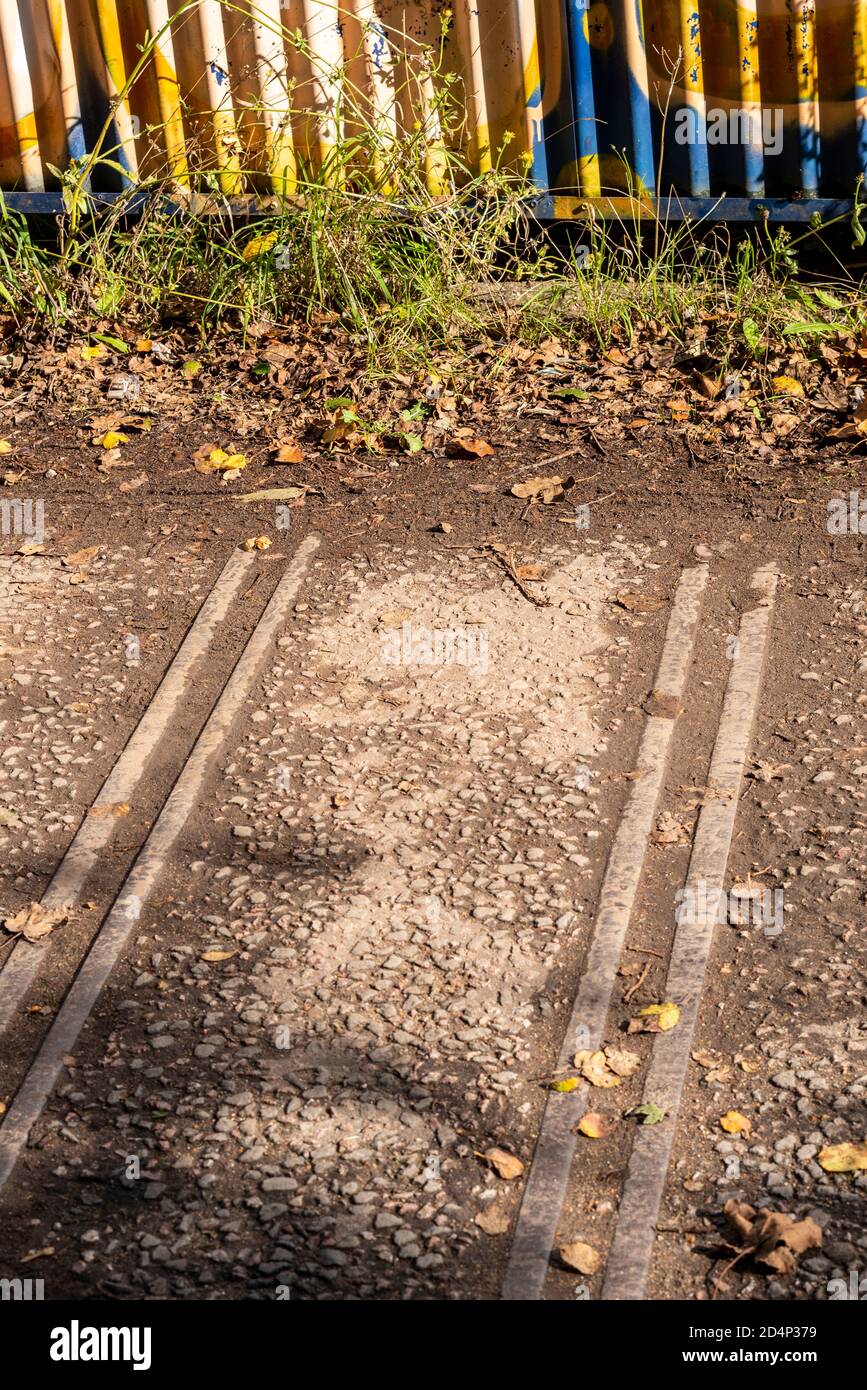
734,108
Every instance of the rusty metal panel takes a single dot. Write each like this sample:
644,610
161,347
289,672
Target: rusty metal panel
716,107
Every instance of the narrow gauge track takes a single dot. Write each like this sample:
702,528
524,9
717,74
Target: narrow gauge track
26,960
592,1022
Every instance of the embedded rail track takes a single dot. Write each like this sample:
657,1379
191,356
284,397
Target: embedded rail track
591,1019
66,888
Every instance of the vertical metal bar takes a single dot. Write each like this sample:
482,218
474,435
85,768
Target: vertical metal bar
220,95
115,72
802,43
69,102
643,163
693,82
379,63
168,87
325,40
21,93
275,88
859,45
751,97
583,100
471,41
436,158
531,77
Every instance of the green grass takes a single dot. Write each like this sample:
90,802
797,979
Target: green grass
408,265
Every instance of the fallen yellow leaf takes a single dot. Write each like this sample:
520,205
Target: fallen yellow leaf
594,1125
5,446
211,956
256,543
733,1122
667,1015
843,1158
214,460
787,386
258,246
112,438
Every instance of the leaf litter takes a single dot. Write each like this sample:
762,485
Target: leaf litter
35,922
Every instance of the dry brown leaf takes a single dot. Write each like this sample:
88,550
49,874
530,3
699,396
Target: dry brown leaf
138,481
493,1221
670,831
531,572
708,1058
575,1254
595,1069
109,808
773,1238
293,493
35,922
595,1125
606,1067
80,557
465,441
662,706
546,489
504,1164
640,603
288,451
750,1065
621,1061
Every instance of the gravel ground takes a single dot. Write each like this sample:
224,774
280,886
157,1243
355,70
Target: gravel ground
353,979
